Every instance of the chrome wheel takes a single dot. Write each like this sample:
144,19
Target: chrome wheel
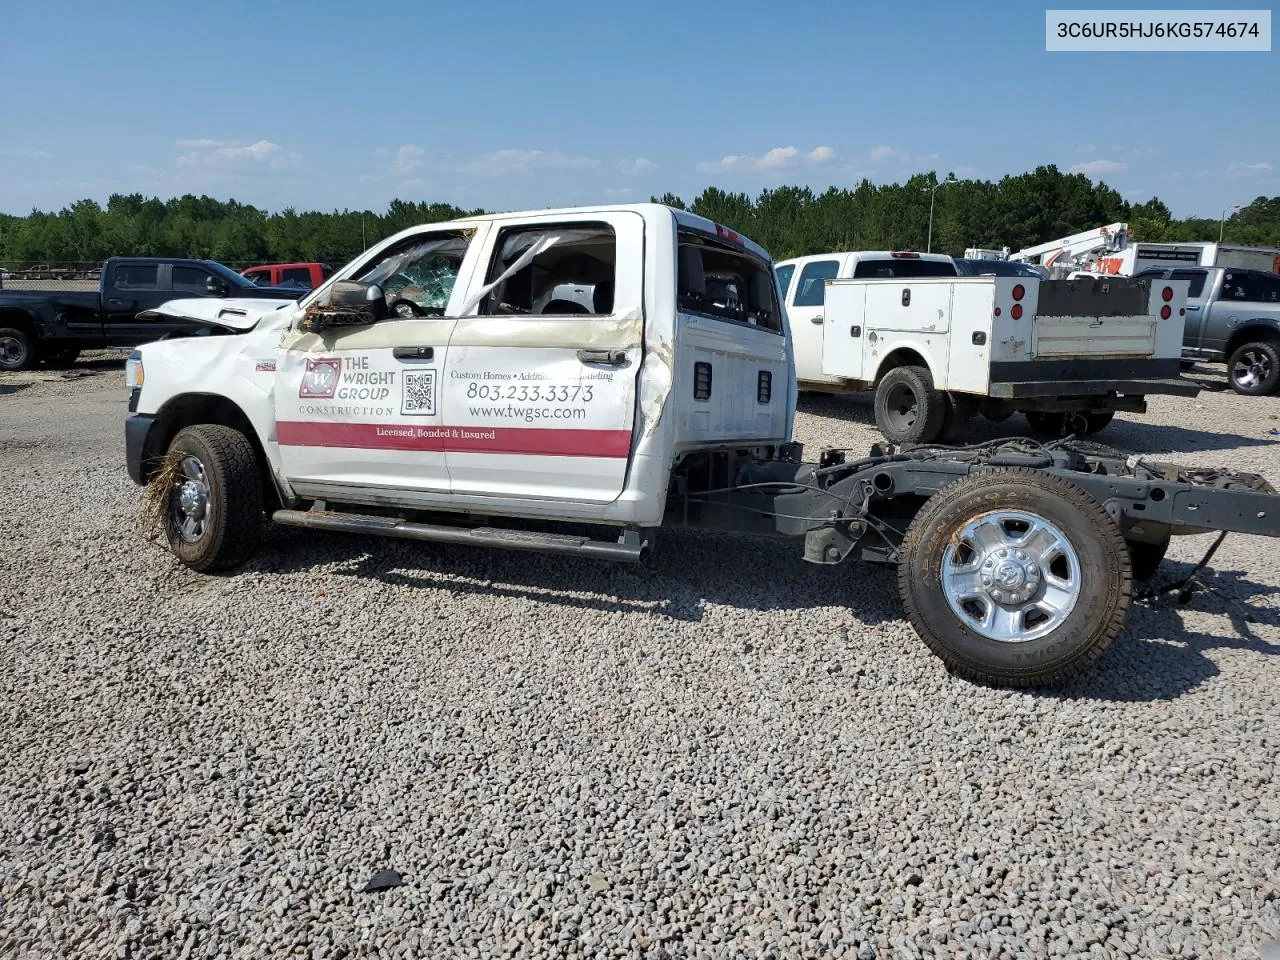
189,501
1011,576
1251,369
12,351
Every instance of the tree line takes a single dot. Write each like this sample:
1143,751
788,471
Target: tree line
1015,211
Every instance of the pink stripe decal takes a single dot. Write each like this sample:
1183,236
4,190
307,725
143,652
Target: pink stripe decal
542,441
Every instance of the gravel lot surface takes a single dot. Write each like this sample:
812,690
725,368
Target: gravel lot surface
726,753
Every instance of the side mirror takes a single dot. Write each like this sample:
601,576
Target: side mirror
347,303
215,287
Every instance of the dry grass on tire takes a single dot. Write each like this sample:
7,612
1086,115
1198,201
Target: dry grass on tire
155,496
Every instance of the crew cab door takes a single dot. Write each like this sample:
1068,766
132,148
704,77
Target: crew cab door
539,390
358,409
127,290
806,311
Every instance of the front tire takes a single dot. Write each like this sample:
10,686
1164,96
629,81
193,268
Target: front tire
1015,577
1254,368
1098,421
17,350
908,408
213,508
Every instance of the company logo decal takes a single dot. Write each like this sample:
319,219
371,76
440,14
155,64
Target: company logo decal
321,379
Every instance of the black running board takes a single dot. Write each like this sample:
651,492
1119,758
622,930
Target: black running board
631,547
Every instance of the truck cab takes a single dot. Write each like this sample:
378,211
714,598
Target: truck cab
1233,317
551,365
301,276
803,281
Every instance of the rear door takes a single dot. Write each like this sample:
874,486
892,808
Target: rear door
130,289
806,311
539,391
358,409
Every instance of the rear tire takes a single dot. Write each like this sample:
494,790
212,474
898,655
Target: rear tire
1056,598
908,408
213,508
960,408
1098,421
1254,368
17,350
1046,424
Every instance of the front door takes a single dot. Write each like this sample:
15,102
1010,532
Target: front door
540,384
805,310
358,409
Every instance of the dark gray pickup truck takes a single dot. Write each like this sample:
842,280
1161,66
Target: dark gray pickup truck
1233,317
53,326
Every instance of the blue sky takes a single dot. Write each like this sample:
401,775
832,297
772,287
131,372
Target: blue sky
514,104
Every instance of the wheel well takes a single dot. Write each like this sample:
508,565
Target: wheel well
191,409
1253,334
902,357
17,320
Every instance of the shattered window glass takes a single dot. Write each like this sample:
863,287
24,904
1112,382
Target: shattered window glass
553,271
418,279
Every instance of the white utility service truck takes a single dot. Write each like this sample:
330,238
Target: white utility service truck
442,387
936,347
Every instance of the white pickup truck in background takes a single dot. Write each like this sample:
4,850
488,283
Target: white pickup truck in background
937,347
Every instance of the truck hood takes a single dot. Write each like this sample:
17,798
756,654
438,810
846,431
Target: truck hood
239,314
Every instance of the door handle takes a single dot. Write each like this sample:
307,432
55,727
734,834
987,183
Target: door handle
613,358
817,319
413,353
1192,309
115,302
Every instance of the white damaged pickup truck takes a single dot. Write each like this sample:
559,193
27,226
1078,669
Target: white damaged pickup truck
511,380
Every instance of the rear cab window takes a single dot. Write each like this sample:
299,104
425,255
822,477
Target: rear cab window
261,278
726,282
904,267
299,276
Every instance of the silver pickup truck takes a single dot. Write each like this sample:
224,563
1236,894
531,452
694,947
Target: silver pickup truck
1233,316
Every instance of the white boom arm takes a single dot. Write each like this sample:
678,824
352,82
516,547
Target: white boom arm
1108,239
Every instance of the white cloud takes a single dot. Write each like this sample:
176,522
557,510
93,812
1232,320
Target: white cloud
520,162
779,158
1249,169
27,154
1087,148
413,183
617,191
1096,168
634,167
886,152
405,158
226,154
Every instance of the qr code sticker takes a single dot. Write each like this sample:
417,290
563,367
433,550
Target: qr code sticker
419,398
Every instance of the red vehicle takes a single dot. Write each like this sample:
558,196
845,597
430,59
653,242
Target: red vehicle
304,276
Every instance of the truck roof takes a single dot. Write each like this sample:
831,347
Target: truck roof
875,255
648,210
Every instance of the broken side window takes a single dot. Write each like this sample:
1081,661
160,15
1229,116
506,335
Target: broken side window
417,277
552,271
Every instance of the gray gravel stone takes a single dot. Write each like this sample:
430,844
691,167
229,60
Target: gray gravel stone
726,753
